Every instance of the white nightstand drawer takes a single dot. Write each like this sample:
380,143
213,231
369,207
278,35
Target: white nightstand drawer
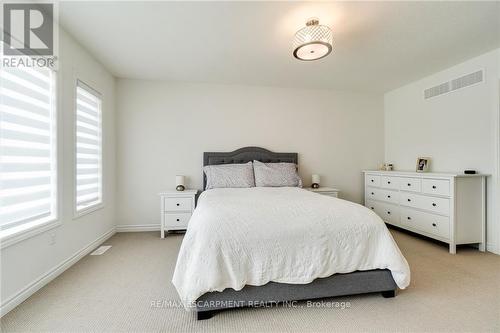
410,184
178,204
177,220
328,191
372,180
436,186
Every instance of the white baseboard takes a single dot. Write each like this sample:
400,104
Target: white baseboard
137,227
492,248
34,286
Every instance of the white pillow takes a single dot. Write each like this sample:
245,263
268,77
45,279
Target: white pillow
276,174
229,175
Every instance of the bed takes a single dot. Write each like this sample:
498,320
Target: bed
259,246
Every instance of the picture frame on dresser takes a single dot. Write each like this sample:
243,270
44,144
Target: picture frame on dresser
447,207
423,164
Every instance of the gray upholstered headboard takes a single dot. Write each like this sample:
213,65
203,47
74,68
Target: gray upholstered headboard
245,155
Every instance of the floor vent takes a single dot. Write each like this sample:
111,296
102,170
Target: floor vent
455,84
101,250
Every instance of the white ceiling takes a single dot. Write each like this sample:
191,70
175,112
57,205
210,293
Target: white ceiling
378,46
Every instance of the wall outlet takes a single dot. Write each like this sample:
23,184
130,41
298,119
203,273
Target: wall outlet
52,238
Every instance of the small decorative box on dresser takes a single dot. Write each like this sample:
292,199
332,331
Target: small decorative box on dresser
332,192
176,209
447,207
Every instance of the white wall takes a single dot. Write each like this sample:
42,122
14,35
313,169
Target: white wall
164,128
457,130
25,264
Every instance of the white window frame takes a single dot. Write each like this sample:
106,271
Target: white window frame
99,205
22,231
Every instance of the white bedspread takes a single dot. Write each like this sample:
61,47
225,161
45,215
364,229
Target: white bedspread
251,236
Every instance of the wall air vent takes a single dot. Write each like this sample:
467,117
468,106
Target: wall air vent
467,80
437,90
455,84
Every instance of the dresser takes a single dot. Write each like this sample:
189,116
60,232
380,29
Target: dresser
329,191
176,209
448,207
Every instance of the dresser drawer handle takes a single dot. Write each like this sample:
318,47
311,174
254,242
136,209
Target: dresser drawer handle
409,218
388,182
372,180
433,204
177,220
409,184
434,186
372,208
389,196
389,213
434,224
373,193
409,200
178,204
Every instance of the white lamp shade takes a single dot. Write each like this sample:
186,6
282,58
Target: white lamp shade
315,179
179,180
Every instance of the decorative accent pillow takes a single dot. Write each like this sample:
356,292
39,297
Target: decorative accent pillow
229,175
276,174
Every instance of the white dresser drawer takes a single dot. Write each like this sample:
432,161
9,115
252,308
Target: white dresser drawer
436,186
178,204
372,205
377,207
434,204
372,180
388,196
427,222
382,195
372,193
177,220
387,212
390,213
389,182
410,184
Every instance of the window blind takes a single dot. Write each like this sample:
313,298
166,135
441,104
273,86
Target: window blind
88,147
28,174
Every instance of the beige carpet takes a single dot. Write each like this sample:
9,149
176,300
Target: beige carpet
114,292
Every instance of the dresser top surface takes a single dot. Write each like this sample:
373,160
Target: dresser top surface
422,174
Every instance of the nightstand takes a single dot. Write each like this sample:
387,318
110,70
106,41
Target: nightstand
332,192
176,209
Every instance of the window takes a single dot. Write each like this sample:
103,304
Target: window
88,148
28,156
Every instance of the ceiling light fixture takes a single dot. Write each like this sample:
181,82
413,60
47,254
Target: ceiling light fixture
312,42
